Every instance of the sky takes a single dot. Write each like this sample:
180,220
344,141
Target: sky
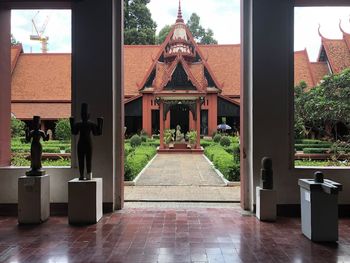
223,17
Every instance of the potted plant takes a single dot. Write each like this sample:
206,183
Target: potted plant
62,149
192,137
168,136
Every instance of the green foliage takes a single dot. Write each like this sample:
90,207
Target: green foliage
137,160
206,143
155,136
163,33
17,127
326,163
200,34
168,135
217,138
192,136
62,130
54,146
300,147
225,141
20,160
224,162
321,108
135,141
139,27
316,150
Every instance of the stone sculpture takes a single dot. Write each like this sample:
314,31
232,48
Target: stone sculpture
35,149
318,177
84,129
179,136
266,173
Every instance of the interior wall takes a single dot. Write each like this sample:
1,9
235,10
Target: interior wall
272,101
5,85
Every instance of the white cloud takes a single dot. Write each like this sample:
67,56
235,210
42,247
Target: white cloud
58,29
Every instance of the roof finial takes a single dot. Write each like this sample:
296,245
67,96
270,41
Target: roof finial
179,14
319,31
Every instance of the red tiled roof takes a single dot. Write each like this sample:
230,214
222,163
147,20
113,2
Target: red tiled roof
15,52
41,77
338,54
302,69
224,61
319,70
47,111
137,60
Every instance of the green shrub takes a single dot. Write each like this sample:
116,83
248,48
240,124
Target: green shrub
62,130
225,141
144,138
316,150
300,147
156,136
217,138
192,137
51,149
308,141
135,141
17,128
169,135
206,143
224,162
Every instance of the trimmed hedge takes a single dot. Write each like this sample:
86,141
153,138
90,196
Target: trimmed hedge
316,150
206,143
300,147
224,162
137,160
225,141
135,141
308,141
217,137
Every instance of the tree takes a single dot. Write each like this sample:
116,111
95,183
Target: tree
139,27
200,35
17,128
62,130
163,33
324,106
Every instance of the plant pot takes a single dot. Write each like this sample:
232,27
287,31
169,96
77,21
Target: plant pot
62,151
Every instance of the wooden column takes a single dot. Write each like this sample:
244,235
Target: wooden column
161,125
192,123
212,114
167,121
198,124
147,114
5,86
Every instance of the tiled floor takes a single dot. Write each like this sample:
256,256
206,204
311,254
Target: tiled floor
168,235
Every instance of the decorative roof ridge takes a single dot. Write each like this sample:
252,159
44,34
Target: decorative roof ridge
141,46
219,45
309,67
341,29
45,54
179,14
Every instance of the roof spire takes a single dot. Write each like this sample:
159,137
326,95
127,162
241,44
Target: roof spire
179,14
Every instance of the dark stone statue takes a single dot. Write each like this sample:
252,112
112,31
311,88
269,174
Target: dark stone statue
85,128
318,177
36,149
266,173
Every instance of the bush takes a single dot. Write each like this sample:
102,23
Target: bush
224,162
144,138
192,137
205,143
135,141
62,130
155,136
225,141
300,147
137,160
17,128
217,138
316,150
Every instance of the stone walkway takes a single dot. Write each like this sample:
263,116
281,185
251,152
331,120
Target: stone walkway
181,178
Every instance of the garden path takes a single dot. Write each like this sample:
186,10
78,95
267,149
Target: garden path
181,177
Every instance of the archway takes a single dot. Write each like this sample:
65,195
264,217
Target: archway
179,115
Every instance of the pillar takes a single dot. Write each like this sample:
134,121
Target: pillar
5,86
167,121
198,124
212,114
192,124
161,125
147,114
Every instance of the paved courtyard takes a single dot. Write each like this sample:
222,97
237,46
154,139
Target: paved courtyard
181,177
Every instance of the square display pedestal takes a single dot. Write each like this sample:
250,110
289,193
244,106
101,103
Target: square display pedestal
84,201
33,199
265,204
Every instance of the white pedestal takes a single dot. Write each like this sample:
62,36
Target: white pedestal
33,199
84,201
265,204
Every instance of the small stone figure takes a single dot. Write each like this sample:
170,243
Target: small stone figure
318,177
179,136
85,128
36,149
266,173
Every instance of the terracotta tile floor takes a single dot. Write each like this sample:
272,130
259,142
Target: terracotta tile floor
168,235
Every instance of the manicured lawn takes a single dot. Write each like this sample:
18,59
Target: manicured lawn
321,163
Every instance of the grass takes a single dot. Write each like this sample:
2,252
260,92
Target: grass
327,163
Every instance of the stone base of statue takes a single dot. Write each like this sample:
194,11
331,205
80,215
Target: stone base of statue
266,204
84,201
33,199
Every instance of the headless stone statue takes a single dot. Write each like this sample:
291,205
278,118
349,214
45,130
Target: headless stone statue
36,149
179,136
318,177
84,129
266,173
